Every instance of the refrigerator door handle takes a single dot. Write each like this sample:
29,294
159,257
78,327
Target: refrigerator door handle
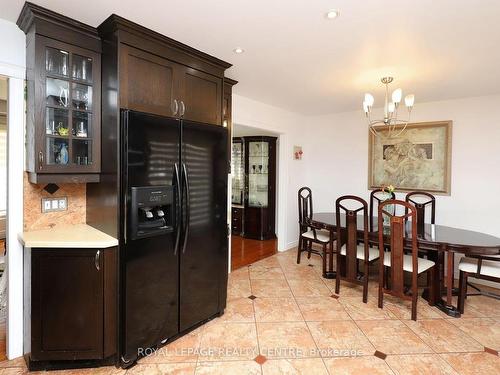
188,211
177,208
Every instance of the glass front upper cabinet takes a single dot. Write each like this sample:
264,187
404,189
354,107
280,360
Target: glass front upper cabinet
237,173
258,174
69,109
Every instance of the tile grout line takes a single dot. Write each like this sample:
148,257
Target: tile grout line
444,320
307,325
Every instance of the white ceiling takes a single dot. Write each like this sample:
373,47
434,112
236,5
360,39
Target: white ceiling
297,59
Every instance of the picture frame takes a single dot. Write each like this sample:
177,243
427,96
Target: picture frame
417,160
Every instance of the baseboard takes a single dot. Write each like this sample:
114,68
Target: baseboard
290,245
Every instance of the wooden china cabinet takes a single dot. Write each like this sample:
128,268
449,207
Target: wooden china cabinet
254,187
63,59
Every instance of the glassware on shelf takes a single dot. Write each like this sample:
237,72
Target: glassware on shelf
57,92
57,151
82,152
82,68
82,124
55,119
82,96
56,61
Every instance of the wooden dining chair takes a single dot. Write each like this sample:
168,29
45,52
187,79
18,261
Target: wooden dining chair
375,200
350,254
421,200
479,267
308,233
396,260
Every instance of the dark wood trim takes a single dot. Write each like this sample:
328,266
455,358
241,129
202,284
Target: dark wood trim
57,26
63,178
141,37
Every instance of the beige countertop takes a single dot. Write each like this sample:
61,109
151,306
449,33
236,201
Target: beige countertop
77,236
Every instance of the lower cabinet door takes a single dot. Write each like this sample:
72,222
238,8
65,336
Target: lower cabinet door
66,304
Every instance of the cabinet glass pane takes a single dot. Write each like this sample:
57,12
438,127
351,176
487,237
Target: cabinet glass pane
82,152
81,68
57,92
56,121
237,173
81,96
56,62
82,124
57,151
258,183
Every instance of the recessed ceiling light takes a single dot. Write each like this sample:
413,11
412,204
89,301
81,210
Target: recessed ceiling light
332,13
238,50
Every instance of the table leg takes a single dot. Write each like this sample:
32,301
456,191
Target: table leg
449,276
439,278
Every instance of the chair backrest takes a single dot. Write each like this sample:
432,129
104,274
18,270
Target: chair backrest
348,234
399,226
305,208
421,200
375,198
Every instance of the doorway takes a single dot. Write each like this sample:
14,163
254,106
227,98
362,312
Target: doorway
254,195
3,214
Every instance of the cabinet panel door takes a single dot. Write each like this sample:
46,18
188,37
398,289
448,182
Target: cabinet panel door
202,96
67,109
148,82
67,304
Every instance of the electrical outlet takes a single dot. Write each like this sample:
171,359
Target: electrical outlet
54,204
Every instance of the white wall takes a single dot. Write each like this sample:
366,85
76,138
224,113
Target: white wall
291,174
12,46
12,65
338,160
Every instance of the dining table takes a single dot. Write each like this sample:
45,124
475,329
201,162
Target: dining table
439,242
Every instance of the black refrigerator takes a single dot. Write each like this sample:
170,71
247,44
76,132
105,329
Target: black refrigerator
174,254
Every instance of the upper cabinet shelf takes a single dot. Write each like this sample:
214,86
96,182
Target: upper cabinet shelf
63,59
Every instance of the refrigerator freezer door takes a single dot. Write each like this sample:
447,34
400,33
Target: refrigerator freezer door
204,247
150,265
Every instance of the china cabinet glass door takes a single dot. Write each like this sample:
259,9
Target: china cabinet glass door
237,173
69,98
258,174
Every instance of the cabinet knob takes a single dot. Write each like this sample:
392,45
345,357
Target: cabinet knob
97,260
40,160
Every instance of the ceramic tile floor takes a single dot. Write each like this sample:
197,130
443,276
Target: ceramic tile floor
295,326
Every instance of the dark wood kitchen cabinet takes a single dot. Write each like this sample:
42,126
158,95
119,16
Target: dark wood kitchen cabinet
161,76
63,60
73,304
148,83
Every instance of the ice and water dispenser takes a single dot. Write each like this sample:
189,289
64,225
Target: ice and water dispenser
152,211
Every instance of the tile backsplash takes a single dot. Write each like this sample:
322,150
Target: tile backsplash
34,218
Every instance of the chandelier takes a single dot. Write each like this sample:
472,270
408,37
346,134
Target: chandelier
393,125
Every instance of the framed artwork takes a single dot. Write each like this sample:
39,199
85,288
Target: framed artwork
418,160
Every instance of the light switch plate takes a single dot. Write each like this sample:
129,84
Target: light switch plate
54,204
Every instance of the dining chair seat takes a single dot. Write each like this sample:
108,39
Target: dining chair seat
423,264
321,235
488,268
360,252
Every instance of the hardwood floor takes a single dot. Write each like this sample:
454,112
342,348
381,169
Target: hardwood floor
245,251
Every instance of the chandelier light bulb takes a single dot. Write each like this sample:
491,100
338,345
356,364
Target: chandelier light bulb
369,100
391,107
410,100
396,96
